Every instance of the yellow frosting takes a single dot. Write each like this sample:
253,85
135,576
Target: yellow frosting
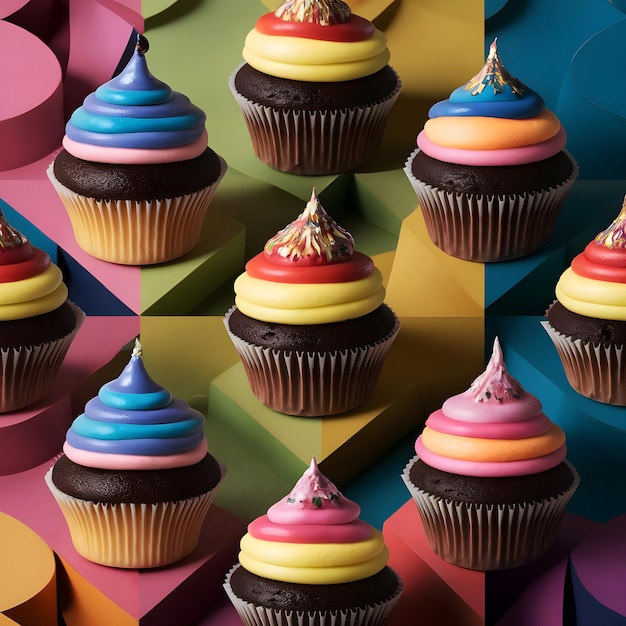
491,133
316,575
591,297
33,296
493,450
295,303
298,58
307,555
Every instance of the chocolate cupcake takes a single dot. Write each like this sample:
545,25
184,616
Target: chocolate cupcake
587,322
136,480
37,321
135,173
490,479
490,170
309,321
316,88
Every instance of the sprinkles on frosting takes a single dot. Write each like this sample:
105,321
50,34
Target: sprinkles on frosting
322,12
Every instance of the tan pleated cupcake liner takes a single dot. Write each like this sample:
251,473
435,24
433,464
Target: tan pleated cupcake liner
314,142
28,373
484,228
489,537
312,384
132,232
129,535
596,371
254,615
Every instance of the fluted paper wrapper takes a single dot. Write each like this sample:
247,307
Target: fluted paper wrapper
488,228
312,384
132,232
596,371
314,142
28,373
489,537
133,535
254,615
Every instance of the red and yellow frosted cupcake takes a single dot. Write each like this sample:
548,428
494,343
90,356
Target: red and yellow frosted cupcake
311,559
490,479
490,170
316,89
309,321
37,321
587,322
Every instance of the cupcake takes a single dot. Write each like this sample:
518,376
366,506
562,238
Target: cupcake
316,89
135,173
490,170
490,478
37,321
310,560
587,321
135,480
309,321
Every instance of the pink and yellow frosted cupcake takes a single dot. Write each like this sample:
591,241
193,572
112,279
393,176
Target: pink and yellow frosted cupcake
490,479
311,559
316,89
135,173
490,170
309,321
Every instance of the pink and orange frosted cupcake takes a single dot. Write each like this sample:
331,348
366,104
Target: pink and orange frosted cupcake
309,321
490,479
136,480
310,559
135,173
316,89
490,170
587,322
37,321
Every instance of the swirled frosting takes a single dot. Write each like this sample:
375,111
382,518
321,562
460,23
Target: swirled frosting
135,424
313,536
495,428
309,273
136,119
315,40
595,283
30,284
494,119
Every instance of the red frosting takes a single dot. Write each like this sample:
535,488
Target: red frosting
355,29
17,269
599,262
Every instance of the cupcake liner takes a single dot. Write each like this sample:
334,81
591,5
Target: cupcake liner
312,384
377,614
489,537
596,371
136,232
28,373
314,142
133,535
488,228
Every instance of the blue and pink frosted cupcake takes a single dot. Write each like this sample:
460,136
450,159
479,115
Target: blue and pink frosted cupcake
136,479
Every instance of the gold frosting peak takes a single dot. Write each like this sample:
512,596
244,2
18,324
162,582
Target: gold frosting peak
322,12
9,237
313,237
493,74
495,383
615,235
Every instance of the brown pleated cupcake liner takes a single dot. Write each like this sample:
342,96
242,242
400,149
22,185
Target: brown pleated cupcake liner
312,384
594,370
489,228
133,535
132,232
28,373
314,142
377,614
489,537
